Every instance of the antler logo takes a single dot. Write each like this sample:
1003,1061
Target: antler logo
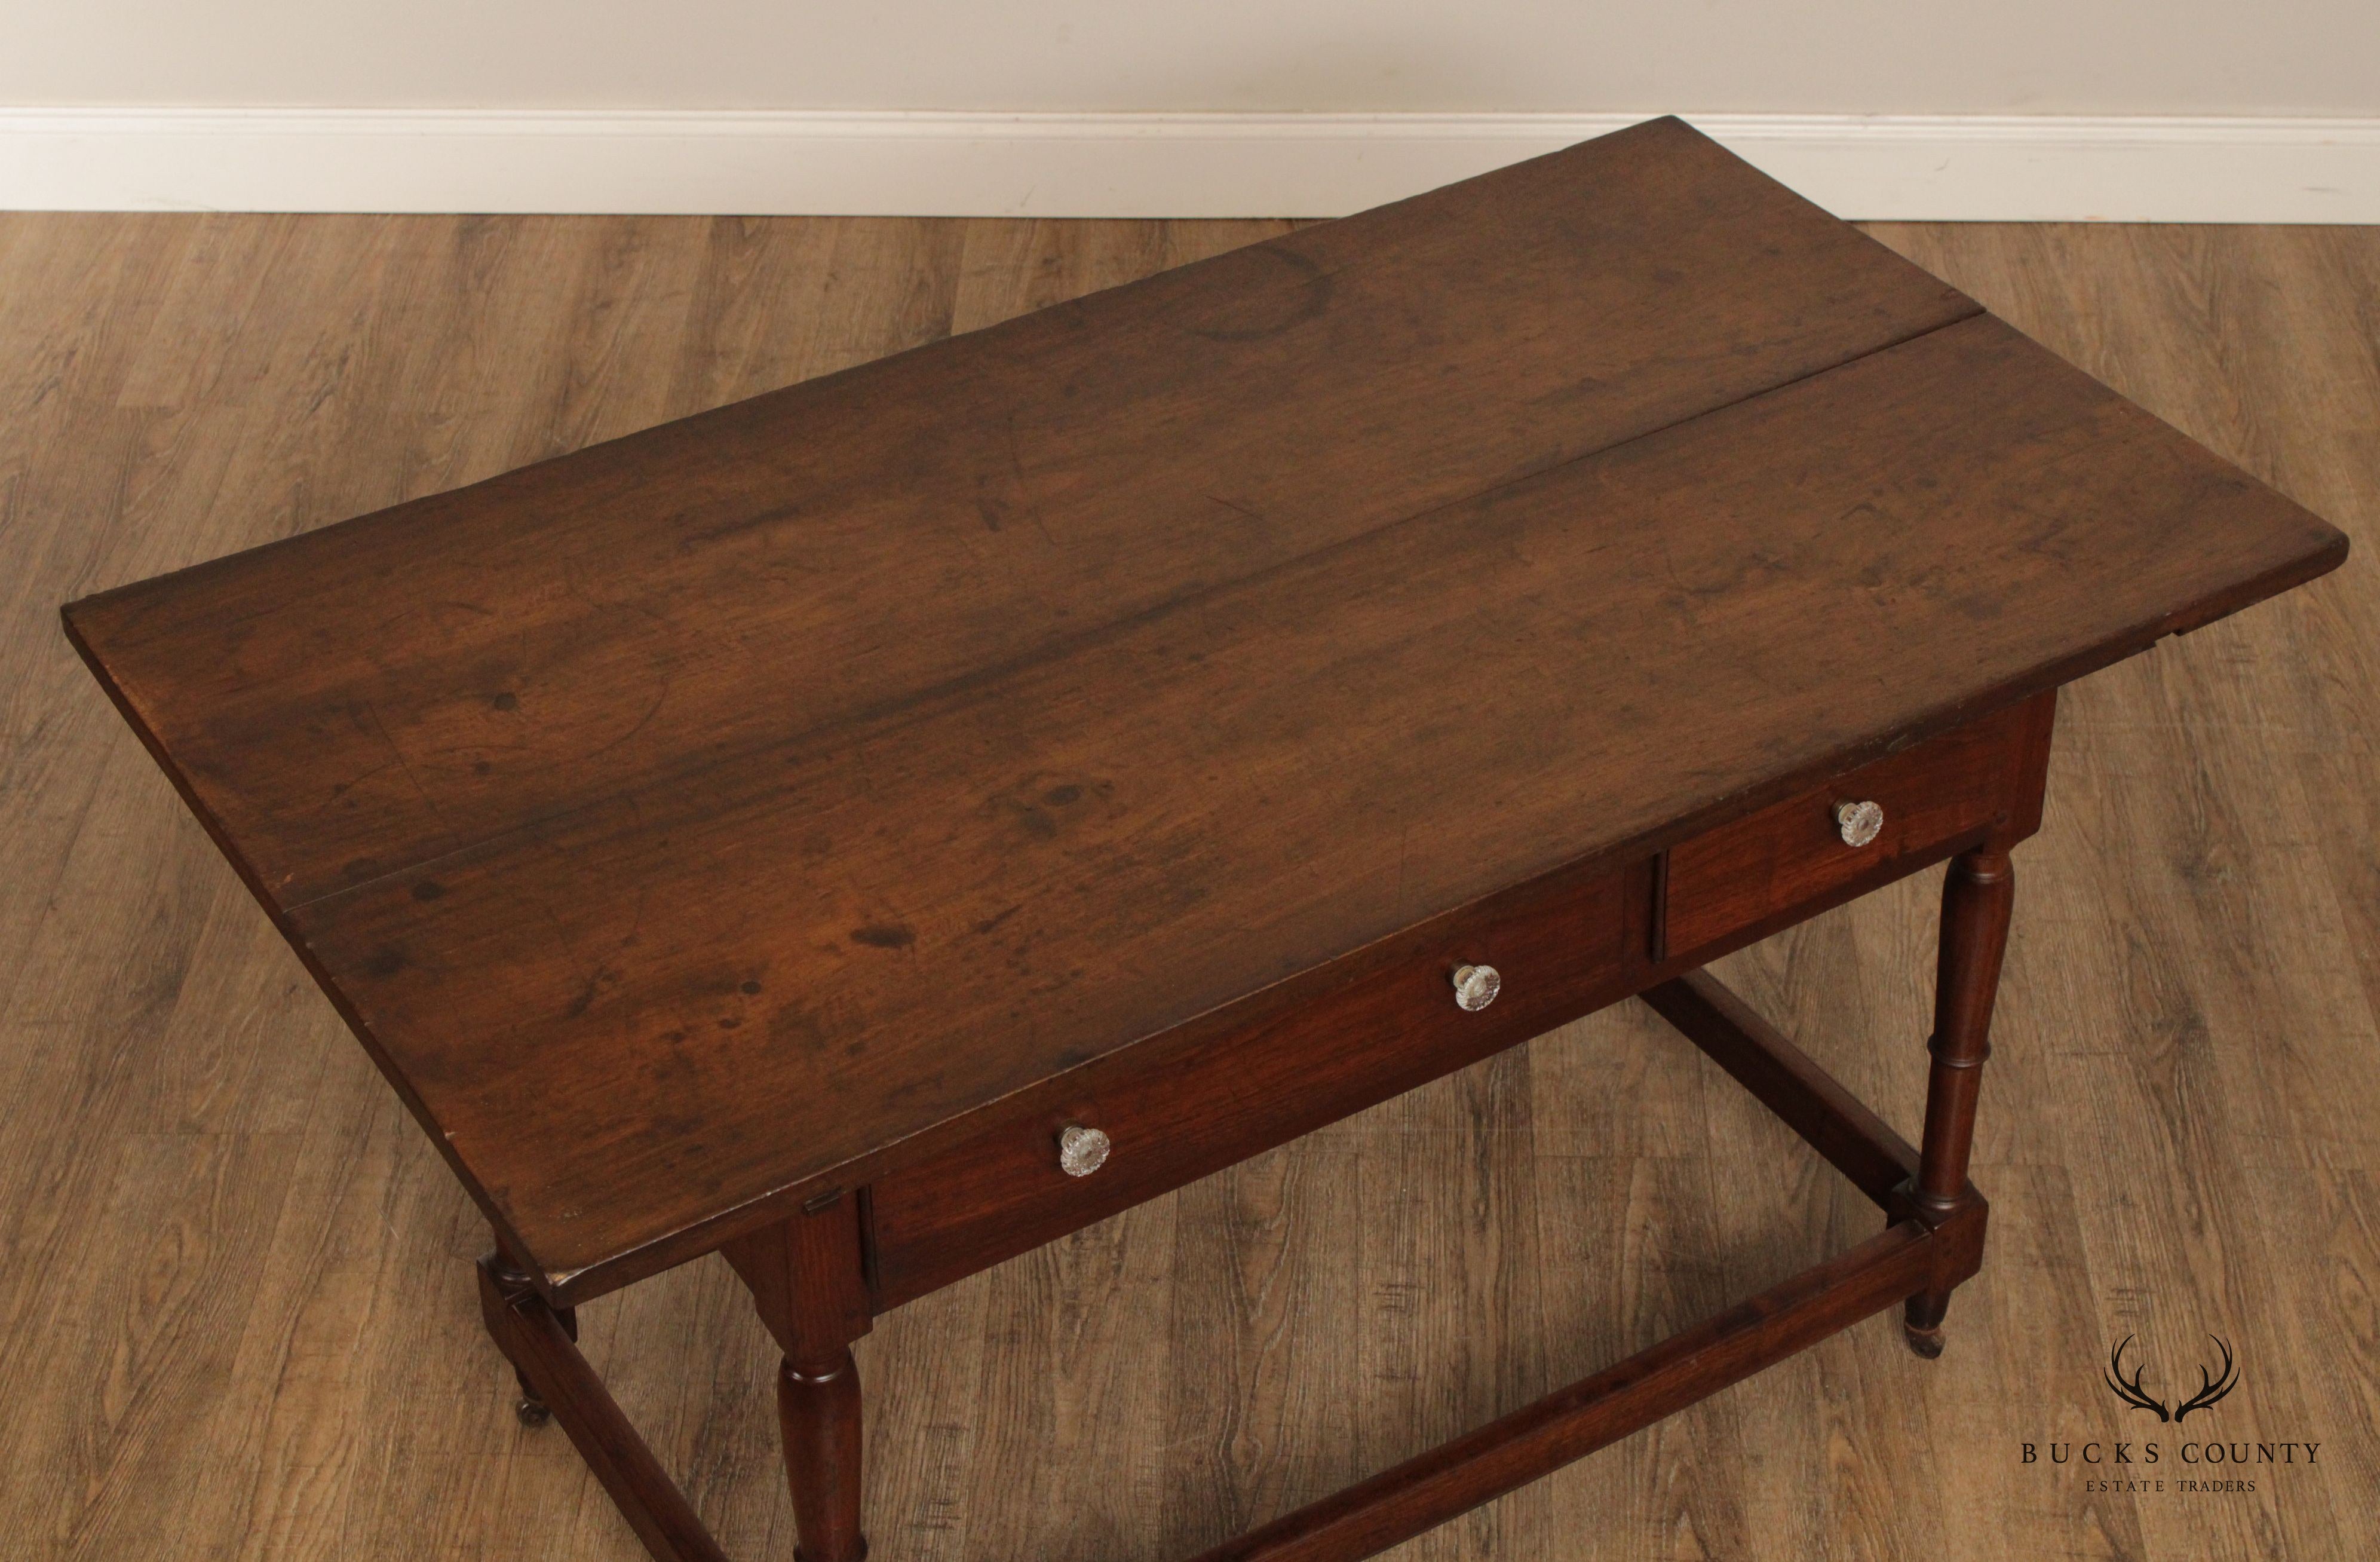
2210,1389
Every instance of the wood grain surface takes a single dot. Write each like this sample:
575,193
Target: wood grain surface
237,1315
1383,567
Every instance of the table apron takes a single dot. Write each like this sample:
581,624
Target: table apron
1178,1109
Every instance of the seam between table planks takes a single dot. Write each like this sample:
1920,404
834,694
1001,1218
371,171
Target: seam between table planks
952,691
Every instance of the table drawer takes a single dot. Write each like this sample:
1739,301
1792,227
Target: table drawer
1791,858
1178,1112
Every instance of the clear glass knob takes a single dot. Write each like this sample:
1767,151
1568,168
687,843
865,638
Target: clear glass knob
1858,823
1081,1151
1475,987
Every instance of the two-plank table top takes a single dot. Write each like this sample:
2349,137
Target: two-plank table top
704,820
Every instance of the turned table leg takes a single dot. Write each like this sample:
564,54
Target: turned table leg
1977,895
818,1411
807,1279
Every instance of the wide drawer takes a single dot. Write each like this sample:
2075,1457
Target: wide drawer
1788,860
1174,1114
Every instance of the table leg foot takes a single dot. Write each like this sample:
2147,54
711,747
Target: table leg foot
533,1411
1923,1315
1924,1340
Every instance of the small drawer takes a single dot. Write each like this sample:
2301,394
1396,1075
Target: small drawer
1175,1108
1798,855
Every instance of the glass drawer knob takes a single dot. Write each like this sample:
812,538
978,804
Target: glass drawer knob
1475,987
1858,823
1081,1151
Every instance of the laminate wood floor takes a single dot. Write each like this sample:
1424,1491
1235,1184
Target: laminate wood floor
236,1317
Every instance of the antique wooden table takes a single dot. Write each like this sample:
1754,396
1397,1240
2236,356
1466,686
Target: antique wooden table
877,827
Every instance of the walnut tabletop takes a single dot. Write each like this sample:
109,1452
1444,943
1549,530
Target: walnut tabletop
716,819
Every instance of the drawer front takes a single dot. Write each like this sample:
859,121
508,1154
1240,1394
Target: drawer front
1178,1113
1793,857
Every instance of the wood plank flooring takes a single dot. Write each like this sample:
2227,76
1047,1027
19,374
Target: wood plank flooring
237,1318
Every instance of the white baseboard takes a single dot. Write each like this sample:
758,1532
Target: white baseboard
1973,168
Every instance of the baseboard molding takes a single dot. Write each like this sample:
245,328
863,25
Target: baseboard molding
1955,167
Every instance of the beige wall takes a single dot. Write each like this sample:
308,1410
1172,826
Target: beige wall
2288,58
